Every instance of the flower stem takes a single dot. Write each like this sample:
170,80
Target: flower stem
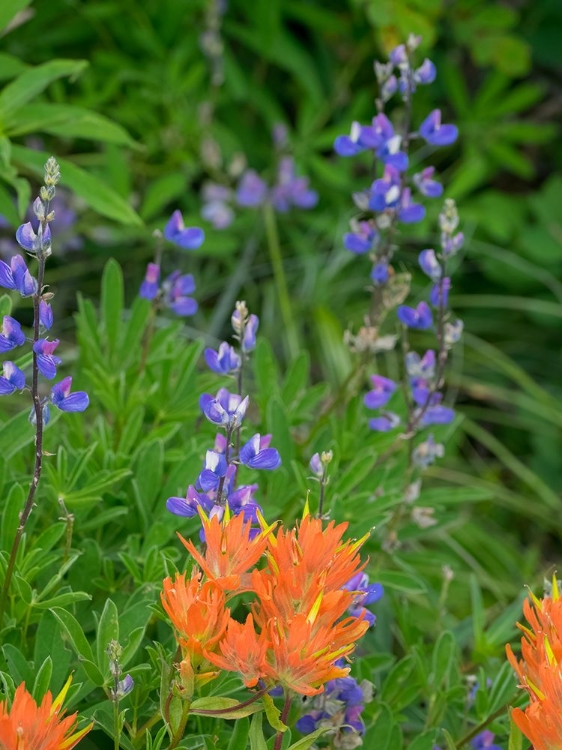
38,408
280,280
284,716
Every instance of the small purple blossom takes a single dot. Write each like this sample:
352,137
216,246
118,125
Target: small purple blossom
383,388
350,145
13,379
177,287
408,212
226,409
419,318
16,276
423,367
367,593
223,362
426,184
11,335
151,284
432,131
385,192
214,469
45,314
362,238
426,73
47,362
189,506
437,415
439,294
485,741
216,208
426,452
252,190
379,273
188,238
385,423
430,265
248,342
39,243
316,466
63,399
256,453
291,190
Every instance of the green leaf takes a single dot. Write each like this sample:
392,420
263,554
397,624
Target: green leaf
515,736
112,294
20,670
405,582
7,207
49,643
95,193
239,736
273,714
451,744
209,705
309,740
32,82
75,634
444,655
9,8
108,630
257,739
43,679
63,600
10,516
160,192
5,305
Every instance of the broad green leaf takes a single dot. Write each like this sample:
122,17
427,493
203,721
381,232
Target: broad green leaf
33,81
19,668
309,740
239,737
5,305
97,194
43,679
208,706
62,600
7,207
256,736
75,634
108,630
49,643
273,714
443,658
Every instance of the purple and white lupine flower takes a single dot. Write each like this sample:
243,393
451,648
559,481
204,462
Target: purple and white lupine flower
432,131
439,294
176,289
13,379
419,318
63,399
188,238
426,184
426,73
430,265
362,238
16,276
382,391
252,190
290,190
45,315
47,362
421,367
316,466
188,506
385,192
245,327
367,593
11,335
385,423
124,687
352,144
256,454
225,409
214,470
223,362
151,284
216,208
453,332
437,414
427,452
34,243
408,212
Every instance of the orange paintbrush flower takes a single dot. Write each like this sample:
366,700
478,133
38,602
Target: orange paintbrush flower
230,551
197,611
243,651
27,726
540,671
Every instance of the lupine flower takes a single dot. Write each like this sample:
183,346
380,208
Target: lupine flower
16,276
256,453
426,184
11,335
27,725
385,192
381,137
386,422
177,287
63,399
34,243
408,212
379,273
124,687
430,265
45,314
485,741
365,594
215,469
383,388
316,466
230,551
439,294
423,367
291,190
362,238
432,131
223,362
227,409
188,238
151,284
437,414
216,207
188,506
47,362
352,144
248,342
419,318
453,332
252,190
426,73
13,379
425,453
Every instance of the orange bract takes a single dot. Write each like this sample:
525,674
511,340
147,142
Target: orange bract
242,650
27,726
230,551
540,672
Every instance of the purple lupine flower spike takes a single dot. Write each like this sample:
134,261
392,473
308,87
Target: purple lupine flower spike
291,190
432,131
16,276
63,399
223,362
13,379
254,455
45,314
188,238
150,286
419,318
252,190
11,335
46,361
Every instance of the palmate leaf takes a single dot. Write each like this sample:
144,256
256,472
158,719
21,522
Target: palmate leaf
95,193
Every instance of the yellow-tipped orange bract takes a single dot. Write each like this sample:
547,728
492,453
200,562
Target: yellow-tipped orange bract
243,651
27,726
231,551
540,672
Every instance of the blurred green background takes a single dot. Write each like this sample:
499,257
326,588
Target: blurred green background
178,117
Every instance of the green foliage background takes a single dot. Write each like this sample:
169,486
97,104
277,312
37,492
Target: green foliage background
115,88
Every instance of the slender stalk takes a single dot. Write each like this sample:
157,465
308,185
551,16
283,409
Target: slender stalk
116,727
280,280
28,507
479,728
178,734
284,716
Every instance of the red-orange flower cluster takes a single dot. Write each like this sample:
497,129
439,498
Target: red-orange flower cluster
540,671
298,628
27,726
